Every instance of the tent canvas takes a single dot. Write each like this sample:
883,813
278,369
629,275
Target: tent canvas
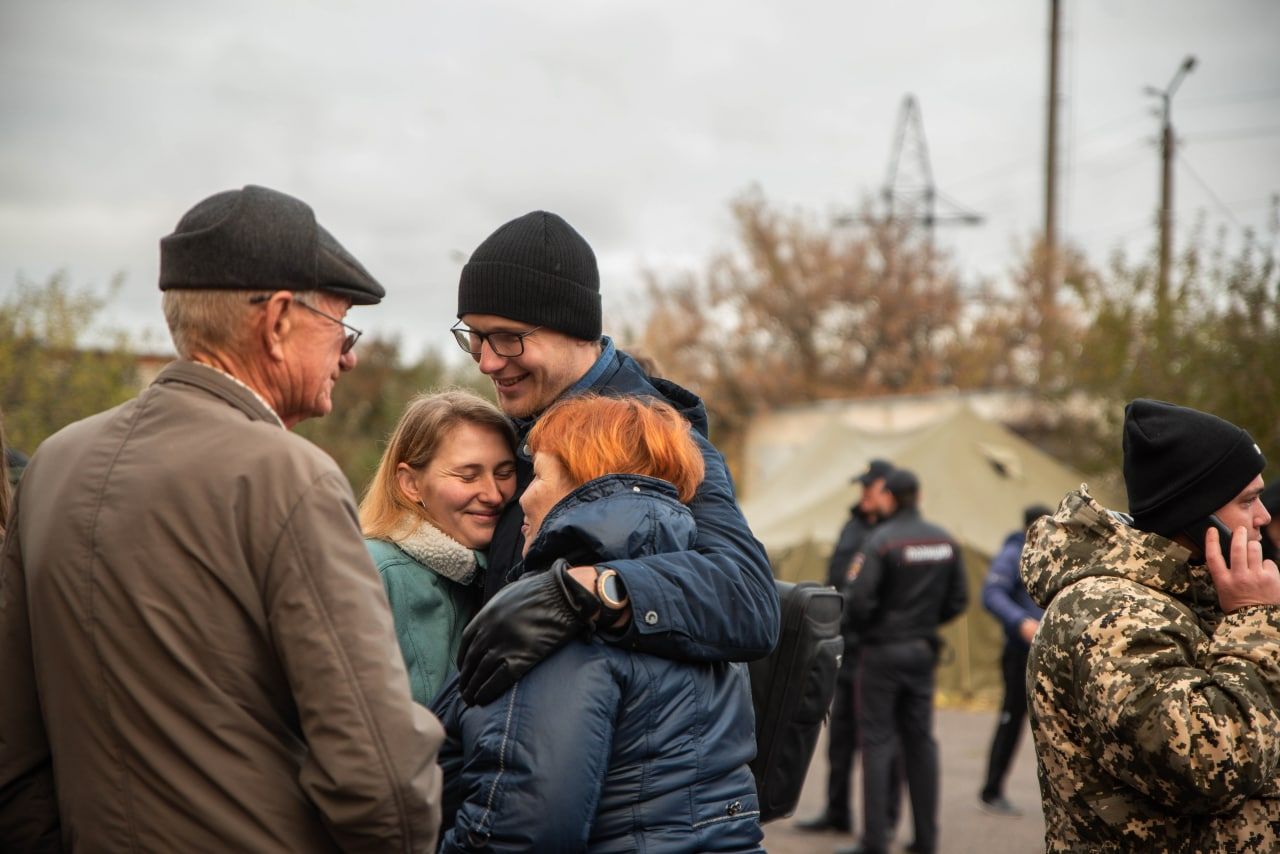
976,477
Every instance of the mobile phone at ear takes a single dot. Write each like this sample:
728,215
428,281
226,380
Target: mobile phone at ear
1197,531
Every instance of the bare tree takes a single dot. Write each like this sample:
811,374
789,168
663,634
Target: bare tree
801,311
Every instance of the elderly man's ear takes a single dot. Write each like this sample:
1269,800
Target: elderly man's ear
277,319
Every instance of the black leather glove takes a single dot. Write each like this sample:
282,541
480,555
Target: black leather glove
522,624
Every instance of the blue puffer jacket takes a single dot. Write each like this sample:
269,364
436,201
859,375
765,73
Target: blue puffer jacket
1004,594
598,748
713,601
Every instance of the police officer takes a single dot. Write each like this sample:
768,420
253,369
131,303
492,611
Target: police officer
842,729
907,580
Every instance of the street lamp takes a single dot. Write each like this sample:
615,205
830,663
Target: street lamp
1166,181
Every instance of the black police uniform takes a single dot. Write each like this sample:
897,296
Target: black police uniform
842,730
908,580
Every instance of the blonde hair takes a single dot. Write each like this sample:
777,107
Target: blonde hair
593,436
426,421
212,320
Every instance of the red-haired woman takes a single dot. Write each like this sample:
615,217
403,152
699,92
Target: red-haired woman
598,747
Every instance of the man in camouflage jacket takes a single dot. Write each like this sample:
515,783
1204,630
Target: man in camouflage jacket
1154,678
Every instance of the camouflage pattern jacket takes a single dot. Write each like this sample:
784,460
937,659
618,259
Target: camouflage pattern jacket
1156,717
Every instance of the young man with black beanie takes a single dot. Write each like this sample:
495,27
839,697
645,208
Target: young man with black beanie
529,314
1154,680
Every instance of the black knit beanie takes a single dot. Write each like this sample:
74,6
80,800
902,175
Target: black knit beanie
1180,464
535,269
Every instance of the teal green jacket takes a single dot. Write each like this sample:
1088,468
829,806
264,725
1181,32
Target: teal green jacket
430,610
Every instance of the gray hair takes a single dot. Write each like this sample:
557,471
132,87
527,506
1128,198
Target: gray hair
211,320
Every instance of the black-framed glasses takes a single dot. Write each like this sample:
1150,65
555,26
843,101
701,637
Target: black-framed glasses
508,345
353,334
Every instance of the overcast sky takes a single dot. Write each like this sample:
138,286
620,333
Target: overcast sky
415,129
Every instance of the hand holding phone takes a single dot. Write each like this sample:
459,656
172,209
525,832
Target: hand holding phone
1198,530
1240,575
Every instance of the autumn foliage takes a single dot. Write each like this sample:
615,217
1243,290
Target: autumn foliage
802,310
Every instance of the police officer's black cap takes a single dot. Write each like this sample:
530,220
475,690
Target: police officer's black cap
876,469
258,239
1033,512
1181,464
902,482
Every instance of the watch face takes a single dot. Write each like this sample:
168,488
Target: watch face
611,588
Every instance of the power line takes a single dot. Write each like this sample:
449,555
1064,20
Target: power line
1254,204
1238,133
1127,225
1186,164
1023,160
1235,98
1113,122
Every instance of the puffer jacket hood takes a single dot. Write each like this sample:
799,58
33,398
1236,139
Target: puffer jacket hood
685,402
642,517
1083,539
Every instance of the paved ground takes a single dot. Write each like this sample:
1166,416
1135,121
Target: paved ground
963,737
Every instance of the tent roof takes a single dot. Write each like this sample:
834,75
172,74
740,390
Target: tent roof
976,477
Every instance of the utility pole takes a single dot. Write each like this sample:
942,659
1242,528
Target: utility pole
1167,143
1051,159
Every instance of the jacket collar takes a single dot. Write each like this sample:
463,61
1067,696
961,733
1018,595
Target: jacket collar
221,385
435,549
616,373
602,363
611,518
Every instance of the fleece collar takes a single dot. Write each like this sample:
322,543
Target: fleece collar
435,549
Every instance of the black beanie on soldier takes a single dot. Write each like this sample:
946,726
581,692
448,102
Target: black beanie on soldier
1180,464
535,269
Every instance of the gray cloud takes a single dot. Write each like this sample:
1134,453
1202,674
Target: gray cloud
416,129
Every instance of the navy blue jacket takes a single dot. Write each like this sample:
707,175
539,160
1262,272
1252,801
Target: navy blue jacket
1004,594
848,544
597,748
908,580
714,601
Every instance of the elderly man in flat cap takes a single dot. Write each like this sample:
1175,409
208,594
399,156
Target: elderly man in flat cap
196,652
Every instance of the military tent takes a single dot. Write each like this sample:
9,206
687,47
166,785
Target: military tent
976,477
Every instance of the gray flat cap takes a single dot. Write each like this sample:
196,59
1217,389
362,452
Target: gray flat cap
260,239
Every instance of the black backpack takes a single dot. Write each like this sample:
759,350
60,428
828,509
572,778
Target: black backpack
791,691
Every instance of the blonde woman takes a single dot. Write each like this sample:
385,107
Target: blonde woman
427,517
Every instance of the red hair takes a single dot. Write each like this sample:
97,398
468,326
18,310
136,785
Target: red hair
593,436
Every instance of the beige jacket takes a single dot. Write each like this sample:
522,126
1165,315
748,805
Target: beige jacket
196,651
